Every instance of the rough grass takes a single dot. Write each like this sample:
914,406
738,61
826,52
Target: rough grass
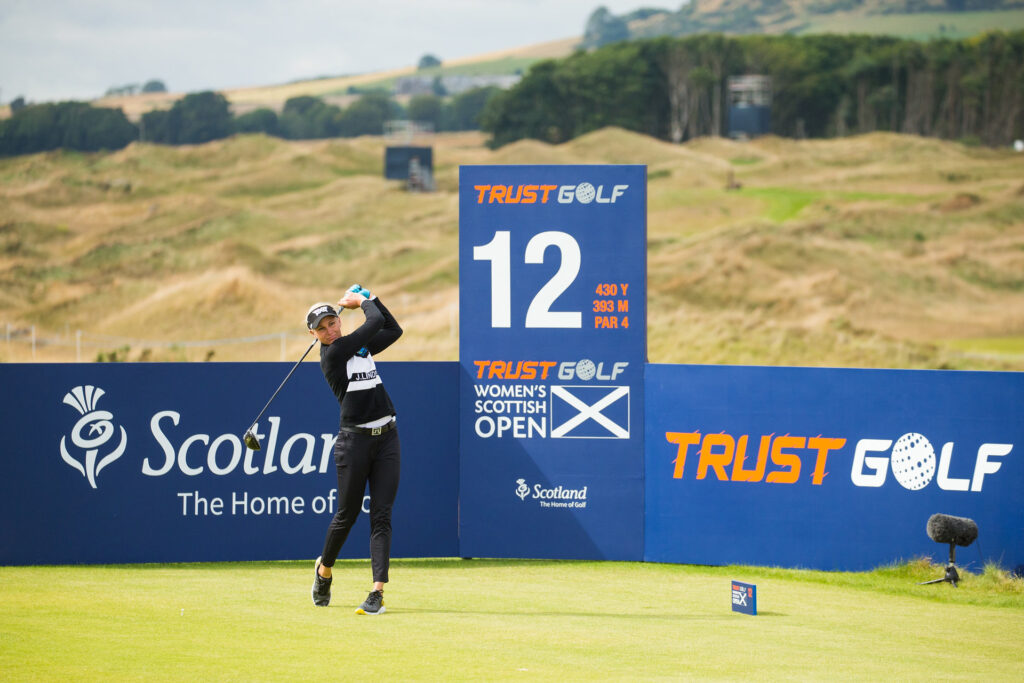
503,619
878,250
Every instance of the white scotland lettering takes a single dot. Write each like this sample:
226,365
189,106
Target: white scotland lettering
242,503
298,454
556,497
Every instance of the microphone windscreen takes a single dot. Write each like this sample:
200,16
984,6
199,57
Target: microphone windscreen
949,529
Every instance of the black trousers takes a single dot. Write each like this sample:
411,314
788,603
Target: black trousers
363,459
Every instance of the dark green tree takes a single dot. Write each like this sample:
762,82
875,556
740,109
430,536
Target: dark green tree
463,111
91,129
366,116
201,117
155,126
258,121
33,129
194,119
426,109
428,62
68,125
534,108
308,117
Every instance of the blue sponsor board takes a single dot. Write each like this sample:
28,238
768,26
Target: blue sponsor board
144,463
830,468
552,273
743,597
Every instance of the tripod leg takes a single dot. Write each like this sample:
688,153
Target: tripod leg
925,583
952,576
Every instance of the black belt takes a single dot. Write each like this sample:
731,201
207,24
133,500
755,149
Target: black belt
372,431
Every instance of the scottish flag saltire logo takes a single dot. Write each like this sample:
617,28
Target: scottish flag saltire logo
92,431
584,412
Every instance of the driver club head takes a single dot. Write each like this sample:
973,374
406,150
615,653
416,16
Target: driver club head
251,441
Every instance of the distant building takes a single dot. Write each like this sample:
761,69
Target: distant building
750,106
452,85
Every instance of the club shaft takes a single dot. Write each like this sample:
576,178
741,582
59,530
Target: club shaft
294,367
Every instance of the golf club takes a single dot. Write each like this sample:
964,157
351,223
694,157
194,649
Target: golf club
250,439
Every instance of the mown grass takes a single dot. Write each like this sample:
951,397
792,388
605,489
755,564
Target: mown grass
784,203
452,619
1006,345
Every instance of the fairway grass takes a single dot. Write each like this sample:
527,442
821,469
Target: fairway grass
502,620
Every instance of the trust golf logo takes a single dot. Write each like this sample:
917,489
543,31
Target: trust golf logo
522,490
583,193
92,432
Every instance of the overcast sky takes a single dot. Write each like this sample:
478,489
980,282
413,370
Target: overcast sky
75,49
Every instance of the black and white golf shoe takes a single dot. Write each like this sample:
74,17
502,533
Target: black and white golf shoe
321,587
374,604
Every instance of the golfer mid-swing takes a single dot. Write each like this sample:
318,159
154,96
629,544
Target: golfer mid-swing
367,449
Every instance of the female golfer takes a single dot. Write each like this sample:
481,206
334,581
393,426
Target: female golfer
367,449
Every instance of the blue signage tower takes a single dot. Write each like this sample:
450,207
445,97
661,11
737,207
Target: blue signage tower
552,351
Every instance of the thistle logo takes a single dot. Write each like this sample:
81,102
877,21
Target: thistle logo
100,430
522,490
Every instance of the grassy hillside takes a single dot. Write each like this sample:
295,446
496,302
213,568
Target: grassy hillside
871,251
918,26
273,96
918,19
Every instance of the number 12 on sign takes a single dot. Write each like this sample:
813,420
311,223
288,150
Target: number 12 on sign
539,315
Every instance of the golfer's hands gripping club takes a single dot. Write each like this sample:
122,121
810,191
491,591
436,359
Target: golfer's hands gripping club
355,295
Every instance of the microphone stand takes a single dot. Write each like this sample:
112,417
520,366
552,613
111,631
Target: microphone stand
951,574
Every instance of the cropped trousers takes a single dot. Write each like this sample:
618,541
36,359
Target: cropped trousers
361,460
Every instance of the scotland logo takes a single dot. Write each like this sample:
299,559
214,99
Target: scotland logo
99,432
522,490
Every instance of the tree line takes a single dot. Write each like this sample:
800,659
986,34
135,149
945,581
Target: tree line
205,116
670,88
822,85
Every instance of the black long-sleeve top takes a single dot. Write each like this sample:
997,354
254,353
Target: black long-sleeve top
348,366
